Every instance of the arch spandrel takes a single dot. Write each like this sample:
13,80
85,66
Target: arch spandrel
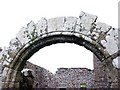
101,35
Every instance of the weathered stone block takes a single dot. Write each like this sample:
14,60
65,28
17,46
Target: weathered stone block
41,27
23,36
70,24
111,41
85,23
56,24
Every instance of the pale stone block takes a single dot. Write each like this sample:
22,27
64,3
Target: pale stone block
4,55
41,27
23,36
85,23
31,28
70,24
111,41
102,27
56,24
15,45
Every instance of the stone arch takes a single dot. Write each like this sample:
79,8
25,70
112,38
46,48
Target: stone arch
84,31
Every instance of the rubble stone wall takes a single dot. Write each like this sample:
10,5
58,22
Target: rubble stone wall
43,78
71,77
63,78
74,77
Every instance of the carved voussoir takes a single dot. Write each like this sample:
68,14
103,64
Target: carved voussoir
41,27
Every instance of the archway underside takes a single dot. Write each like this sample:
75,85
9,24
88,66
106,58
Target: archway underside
83,31
37,45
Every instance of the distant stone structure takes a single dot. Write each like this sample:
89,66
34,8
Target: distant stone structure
74,77
70,77
63,78
43,77
99,38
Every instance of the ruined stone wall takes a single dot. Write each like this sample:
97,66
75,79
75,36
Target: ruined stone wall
100,75
73,77
43,78
102,78
64,77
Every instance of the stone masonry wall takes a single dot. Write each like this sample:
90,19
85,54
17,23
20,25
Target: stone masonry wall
64,77
100,75
43,78
73,77
101,78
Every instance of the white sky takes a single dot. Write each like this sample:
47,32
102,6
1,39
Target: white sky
63,55
15,14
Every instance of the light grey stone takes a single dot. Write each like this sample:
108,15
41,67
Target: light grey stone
100,31
102,27
15,45
4,55
31,28
56,24
4,73
41,27
111,41
1,69
5,63
23,36
70,23
85,23
116,62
